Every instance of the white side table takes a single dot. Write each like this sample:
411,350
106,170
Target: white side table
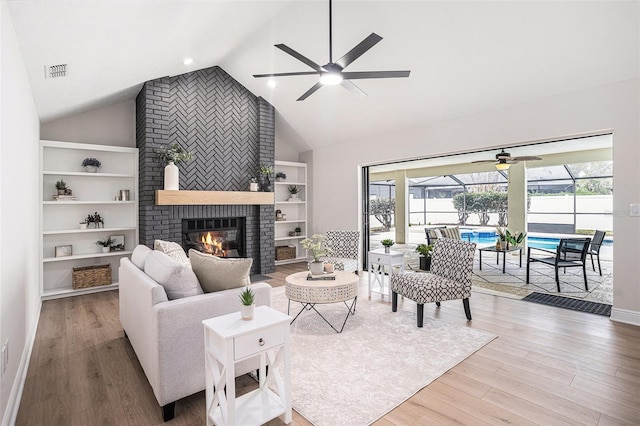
229,339
379,259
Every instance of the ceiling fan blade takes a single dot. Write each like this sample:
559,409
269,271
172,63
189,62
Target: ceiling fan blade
526,158
359,50
374,74
285,74
309,92
483,161
350,86
299,57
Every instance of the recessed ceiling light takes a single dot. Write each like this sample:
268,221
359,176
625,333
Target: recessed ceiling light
272,83
187,61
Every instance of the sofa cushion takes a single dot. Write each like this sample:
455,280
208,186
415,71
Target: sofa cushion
177,279
171,249
139,255
215,273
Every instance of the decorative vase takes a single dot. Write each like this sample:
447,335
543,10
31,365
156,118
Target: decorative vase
387,249
266,184
90,169
246,312
106,249
171,177
83,226
316,268
253,186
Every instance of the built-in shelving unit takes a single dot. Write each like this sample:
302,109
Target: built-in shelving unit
94,192
295,211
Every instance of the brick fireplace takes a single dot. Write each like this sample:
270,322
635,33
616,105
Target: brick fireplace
230,132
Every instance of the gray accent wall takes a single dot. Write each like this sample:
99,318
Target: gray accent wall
230,133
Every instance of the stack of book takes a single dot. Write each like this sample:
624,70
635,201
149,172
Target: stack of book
64,197
319,277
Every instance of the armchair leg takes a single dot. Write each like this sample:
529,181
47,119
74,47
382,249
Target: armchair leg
168,411
467,308
394,301
420,315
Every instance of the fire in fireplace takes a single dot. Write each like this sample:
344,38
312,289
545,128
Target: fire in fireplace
222,237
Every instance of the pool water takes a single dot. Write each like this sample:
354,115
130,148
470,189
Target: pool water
487,238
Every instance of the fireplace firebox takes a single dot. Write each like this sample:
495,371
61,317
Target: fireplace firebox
222,237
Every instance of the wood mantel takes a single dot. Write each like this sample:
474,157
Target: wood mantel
175,198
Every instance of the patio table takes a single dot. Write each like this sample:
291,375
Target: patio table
504,255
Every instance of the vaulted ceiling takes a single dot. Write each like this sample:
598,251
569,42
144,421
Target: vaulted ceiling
465,57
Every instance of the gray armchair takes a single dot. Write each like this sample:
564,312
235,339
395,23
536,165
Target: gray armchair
449,279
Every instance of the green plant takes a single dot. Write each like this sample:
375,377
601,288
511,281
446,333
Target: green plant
61,184
315,245
298,229
105,243
247,297
281,175
515,239
424,249
266,169
387,242
174,153
502,233
93,162
294,189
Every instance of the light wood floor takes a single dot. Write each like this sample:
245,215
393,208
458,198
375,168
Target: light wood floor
548,366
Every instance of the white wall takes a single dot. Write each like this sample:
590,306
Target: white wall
113,125
335,175
19,218
285,152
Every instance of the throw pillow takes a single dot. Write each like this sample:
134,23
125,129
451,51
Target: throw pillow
434,234
171,249
177,279
452,233
215,273
139,255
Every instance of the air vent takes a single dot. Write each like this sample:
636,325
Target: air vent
55,71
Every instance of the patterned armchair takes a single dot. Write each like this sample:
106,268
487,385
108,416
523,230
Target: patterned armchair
449,279
344,250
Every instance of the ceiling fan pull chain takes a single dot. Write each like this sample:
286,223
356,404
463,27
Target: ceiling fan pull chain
330,35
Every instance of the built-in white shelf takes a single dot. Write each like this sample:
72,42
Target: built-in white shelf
89,230
291,202
295,211
87,256
287,183
297,237
86,174
60,203
57,293
291,221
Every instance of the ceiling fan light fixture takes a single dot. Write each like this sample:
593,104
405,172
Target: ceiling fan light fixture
503,166
330,78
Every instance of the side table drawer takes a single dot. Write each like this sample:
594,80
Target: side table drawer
259,341
378,259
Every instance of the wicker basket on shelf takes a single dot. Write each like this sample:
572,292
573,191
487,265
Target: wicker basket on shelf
285,252
91,276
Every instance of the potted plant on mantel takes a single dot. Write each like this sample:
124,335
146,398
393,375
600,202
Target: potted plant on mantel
387,243
247,298
315,246
424,250
173,155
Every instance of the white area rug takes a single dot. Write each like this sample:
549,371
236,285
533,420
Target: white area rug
380,359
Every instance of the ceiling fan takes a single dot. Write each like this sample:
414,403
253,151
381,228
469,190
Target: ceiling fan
503,160
332,73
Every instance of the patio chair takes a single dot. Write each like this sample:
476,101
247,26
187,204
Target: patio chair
594,248
571,253
344,250
449,278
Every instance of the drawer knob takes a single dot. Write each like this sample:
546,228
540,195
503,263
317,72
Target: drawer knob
261,342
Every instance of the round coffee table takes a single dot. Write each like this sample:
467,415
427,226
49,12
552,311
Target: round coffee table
312,292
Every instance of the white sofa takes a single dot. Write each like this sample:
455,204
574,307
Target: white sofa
168,335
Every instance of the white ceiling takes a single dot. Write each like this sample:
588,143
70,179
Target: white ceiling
465,57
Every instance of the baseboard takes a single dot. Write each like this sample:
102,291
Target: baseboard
626,316
21,376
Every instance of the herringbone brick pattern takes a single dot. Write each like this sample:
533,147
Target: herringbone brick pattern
229,131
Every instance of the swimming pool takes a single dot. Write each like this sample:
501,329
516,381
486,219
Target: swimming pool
484,238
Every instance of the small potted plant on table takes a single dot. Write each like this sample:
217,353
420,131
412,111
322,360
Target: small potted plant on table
387,243
424,250
248,304
315,245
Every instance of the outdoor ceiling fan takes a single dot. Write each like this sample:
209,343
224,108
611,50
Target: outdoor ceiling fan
332,73
503,160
